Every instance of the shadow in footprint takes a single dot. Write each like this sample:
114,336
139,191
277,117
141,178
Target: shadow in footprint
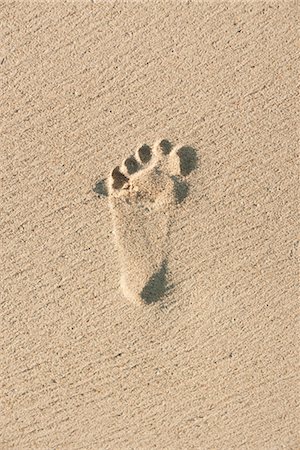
181,189
101,189
157,285
188,160
165,146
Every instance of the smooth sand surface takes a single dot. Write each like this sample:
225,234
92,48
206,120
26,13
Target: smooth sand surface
207,358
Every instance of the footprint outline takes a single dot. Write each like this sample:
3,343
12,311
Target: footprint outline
145,209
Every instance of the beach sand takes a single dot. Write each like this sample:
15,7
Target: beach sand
154,309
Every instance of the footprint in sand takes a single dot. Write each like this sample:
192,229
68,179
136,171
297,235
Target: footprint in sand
143,194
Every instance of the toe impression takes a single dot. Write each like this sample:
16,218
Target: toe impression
144,153
118,178
131,165
165,146
187,160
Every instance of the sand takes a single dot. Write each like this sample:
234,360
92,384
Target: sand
149,302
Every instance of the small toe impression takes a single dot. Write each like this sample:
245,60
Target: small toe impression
188,160
165,146
101,188
131,164
119,179
145,153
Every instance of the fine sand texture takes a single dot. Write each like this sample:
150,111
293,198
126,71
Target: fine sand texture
149,277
